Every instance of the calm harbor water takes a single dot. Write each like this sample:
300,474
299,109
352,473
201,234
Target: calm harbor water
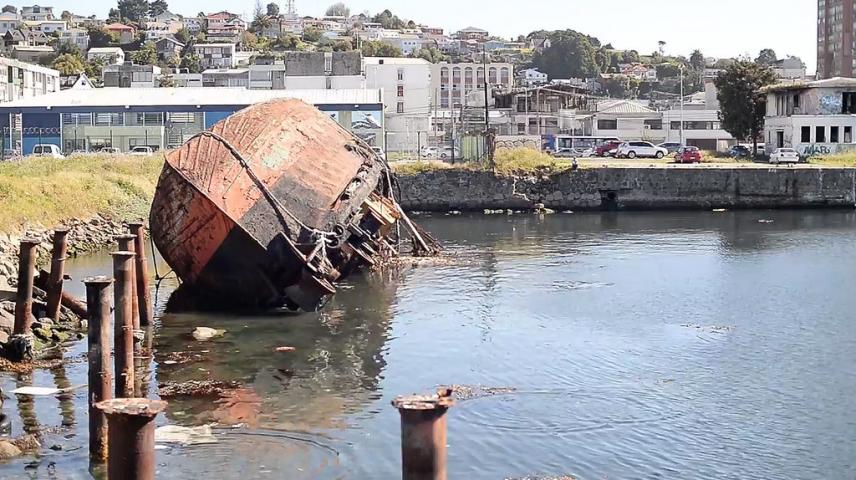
639,345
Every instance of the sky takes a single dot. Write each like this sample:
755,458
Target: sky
720,28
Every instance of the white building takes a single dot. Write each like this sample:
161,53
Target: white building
9,21
47,26
454,84
26,80
37,13
216,55
226,77
406,85
790,69
109,55
812,117
531,77
76,36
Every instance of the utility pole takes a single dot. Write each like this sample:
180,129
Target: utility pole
487,137
452,105
682,105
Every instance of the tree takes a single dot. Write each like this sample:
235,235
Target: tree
156,7
261,21
571,55
338,9
388,20
742,103
182,35
100,38
697,61
114,16
273,9
10,9
373,48
94,68
166,81
661,47
311,34
66,16
133,10
67,48
192,63
68,64
431,54
622,86
342,46
147,55
766,56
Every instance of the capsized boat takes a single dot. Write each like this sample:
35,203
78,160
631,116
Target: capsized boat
274,205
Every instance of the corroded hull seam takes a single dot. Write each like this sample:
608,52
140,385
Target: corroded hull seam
272,207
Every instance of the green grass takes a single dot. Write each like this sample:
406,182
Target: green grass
526,161
44,191
843,159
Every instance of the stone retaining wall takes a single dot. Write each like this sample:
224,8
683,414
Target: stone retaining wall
632,188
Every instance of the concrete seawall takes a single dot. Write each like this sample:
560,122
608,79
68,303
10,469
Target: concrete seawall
632,189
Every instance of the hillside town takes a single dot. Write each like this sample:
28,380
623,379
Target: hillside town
422,90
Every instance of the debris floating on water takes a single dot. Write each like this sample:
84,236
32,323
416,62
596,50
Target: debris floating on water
200,435
205,333
470,392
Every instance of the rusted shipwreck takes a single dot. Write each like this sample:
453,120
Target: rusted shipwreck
273,205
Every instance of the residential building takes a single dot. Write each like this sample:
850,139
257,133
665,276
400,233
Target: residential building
77,81
638,71
126,33
835,40
224,27
187,80
308,70
540,111
454,84
76,36
129,75
156,30
226,77
814,118
472,33
532,77
9,21
790,68
13,38
539,44
407,43
406,83
163,117
47,26
37,13
109,55
168,47
167,17
215,55
32,53
193,24
25,80
431,30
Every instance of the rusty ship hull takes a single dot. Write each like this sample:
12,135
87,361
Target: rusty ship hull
271,207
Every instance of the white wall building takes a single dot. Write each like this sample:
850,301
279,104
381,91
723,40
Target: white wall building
9,21
215,55
76,36
531,77
37,13
47,26
406,85
813,118
24,80
451,84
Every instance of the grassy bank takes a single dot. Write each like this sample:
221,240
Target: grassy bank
45,191
520,161
844,159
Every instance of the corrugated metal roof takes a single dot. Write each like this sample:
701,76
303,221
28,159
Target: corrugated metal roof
191,96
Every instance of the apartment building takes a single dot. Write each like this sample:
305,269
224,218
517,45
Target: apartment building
47,26
226,77
308,70
835,39
9,21
453,84
813,118
406,85
216,55
129,75
37,13
25,80
76,36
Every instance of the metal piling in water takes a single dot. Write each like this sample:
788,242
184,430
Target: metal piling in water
144,299
100,374
127,243
423,434
130,422
123,326
54,286
24,298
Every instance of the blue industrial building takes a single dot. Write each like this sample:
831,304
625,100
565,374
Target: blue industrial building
123,118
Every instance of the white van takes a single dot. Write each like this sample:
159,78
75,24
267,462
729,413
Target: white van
47,150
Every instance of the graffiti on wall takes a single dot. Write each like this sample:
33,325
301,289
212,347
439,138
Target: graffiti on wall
830,104
815,149
509,142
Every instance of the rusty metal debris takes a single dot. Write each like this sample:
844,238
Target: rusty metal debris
196,388
131,436
423,434
273,206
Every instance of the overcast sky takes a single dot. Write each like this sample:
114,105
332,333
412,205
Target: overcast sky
720,28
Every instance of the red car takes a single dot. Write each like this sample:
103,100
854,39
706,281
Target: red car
688,155
604,149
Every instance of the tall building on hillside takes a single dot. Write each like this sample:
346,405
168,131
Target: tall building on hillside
835,41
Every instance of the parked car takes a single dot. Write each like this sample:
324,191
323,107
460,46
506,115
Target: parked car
606,149
447,153
430,152
110,151
671,147
740,151
688,155
569,153
47,150
784,155
640,149
142,151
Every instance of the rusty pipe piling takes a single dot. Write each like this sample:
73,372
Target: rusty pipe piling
423,434
123,323
131,427
54,286
126,243
24,298
144,299
100,374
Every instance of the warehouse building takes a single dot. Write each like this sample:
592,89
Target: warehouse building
89,120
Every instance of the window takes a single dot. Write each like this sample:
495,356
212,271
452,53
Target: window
654,124
10,75
607,124
400,107
400,91
675,125
797,100
848,134
805,136
833,134
820,135
400,74
848,103
182,117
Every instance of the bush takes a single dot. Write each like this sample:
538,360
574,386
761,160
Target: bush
527,160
